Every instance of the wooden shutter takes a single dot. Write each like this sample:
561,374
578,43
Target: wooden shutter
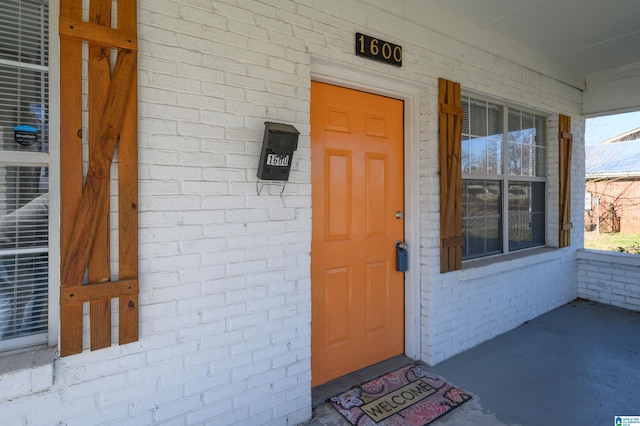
84,221
450,116
565,142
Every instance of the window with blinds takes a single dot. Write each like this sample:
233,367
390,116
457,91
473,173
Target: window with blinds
24,172
503,178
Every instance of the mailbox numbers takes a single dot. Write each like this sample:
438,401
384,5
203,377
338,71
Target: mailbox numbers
277,160
379,50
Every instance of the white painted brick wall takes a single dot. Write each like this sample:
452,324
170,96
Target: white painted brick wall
611,278
225,299
481,302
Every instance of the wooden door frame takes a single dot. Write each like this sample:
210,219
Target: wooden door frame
349,77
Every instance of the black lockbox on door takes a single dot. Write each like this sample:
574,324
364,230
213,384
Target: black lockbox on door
402,257
278,144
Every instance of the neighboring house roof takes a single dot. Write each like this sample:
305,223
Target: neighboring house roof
616,157
631,135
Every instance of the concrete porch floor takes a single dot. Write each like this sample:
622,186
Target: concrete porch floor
576,365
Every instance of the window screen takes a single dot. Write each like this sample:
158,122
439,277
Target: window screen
24,172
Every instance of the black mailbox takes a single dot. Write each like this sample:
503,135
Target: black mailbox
278,144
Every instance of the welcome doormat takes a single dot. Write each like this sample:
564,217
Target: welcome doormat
410,396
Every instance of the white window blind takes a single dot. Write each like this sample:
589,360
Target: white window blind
24,145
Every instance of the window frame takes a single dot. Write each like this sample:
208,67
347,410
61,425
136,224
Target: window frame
19,158
505,178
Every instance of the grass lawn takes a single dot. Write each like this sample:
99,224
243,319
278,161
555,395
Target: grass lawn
612,242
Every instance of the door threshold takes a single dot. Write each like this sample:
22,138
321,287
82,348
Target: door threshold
320,394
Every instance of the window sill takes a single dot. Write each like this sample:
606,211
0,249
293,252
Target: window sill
27,372
507,262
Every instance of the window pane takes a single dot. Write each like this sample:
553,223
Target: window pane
484,156
23,251
481,218
526,141
477,118
23,295
465,161
478,156
526,214
514,123
23,75
24,25
482,136
515,157
494,114
540,145
494,155
465,109
23,103
23,207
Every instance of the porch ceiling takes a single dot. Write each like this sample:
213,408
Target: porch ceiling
595,40
584,35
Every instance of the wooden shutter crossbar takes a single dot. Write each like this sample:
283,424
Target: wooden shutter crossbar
452,241
112,122
567,135
565,145
98,291
452,110
450,119
97,34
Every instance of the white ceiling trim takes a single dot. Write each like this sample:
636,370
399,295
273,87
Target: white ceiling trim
612,91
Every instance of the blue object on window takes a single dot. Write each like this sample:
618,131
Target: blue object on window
26,135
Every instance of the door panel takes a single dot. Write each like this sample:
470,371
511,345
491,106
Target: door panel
337,291
338,187
375,207
357,187
376,297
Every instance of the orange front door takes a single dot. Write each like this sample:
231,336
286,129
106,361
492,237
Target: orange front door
358,203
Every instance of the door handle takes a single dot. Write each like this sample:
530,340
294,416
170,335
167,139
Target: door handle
402,257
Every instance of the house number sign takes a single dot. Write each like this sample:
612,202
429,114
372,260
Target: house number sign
379,50
277,160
